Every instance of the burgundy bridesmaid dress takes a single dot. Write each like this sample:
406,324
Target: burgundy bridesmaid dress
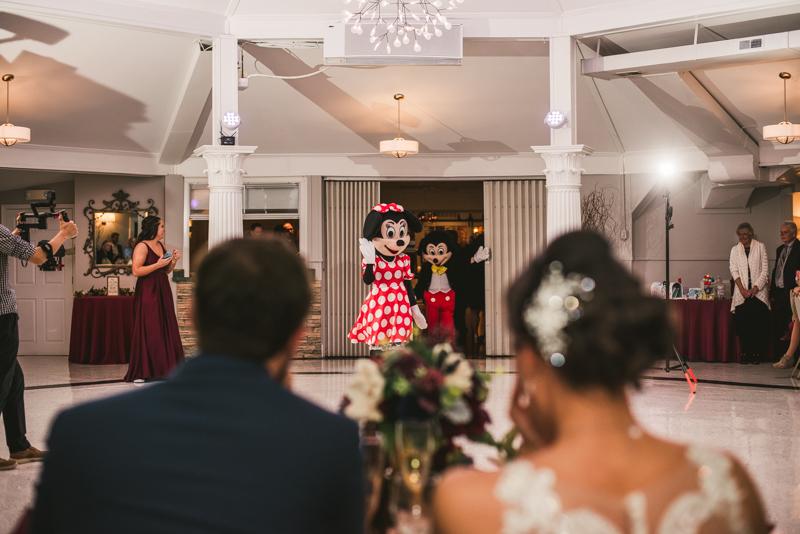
156,348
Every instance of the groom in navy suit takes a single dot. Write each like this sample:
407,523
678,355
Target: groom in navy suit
223,445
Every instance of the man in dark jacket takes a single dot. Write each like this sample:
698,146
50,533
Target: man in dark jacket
787,263
223,445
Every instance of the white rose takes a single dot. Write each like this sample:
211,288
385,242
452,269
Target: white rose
461,377
365,392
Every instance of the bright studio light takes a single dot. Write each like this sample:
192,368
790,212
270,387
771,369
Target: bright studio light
667,170
231,120
555,119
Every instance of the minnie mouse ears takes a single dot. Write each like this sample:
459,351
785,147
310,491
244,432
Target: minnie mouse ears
385,208
381,212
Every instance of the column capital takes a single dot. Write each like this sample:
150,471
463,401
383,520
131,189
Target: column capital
563,163
583,150
563,171
224,163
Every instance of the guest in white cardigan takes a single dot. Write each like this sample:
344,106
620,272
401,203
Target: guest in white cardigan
750,269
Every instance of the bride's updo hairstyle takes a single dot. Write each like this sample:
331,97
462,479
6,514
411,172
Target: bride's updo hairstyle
607,332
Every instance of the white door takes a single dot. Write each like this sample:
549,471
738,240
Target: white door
44,299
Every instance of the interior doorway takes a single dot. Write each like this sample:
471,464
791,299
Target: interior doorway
44,298
456,208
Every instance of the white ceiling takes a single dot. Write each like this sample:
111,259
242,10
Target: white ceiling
93,85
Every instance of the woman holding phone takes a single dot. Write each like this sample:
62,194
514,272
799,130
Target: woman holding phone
156,349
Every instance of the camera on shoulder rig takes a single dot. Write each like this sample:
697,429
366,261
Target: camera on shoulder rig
54,258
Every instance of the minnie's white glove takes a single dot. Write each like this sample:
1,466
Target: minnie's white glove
419,319
367,250
482,254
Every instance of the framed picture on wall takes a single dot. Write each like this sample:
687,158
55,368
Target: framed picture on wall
112,284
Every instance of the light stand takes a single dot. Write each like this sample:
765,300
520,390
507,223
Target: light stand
682,365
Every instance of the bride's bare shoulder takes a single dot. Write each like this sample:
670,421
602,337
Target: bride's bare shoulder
464,502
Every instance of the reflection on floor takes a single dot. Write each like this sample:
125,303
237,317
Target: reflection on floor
752,411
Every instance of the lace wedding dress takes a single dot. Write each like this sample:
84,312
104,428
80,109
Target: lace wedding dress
700,497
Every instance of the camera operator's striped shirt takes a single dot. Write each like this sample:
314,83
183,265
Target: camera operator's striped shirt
16,247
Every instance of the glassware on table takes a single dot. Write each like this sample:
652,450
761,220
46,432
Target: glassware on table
415,444
374,469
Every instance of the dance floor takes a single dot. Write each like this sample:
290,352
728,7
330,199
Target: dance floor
752,411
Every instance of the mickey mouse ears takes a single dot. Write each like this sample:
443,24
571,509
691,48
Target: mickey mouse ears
385,208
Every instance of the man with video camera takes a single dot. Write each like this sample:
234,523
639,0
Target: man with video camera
12,382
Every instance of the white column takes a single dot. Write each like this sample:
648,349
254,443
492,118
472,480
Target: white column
563,171
225,184
225,83
563,156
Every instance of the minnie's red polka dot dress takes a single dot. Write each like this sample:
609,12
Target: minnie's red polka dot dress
386,313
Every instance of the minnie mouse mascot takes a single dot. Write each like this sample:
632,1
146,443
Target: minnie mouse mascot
387,312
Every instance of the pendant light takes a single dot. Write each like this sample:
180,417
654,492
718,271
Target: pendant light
784,132
399,147
10,134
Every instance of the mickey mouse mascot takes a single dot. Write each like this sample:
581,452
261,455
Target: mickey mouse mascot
443,280
387,312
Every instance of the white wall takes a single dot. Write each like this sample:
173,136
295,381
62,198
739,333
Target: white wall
701,241
100,188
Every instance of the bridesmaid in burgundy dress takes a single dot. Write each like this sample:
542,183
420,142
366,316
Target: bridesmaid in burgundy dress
156,348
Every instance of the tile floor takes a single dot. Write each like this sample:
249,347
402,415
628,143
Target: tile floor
753,411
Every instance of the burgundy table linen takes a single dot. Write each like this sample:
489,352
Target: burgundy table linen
102,330
705,331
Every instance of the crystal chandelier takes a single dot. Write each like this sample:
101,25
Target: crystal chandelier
398,22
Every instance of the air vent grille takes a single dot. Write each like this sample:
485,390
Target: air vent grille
748,44
629,73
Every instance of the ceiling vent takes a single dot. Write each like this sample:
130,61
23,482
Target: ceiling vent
748,44
629,73
343,47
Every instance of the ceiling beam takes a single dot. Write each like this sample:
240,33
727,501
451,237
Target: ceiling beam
724,117
772,47
604,19
312,27
138,15
192,100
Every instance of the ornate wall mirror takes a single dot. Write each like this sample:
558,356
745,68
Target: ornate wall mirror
111,228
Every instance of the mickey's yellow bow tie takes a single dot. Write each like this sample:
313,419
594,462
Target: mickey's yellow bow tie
438,269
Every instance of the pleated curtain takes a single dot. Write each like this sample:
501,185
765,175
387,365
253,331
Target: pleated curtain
347,204
515,228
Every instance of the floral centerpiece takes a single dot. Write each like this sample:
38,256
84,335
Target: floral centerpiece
102,292
422,383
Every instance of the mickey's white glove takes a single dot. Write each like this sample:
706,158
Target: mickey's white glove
482,254
419,319
367,250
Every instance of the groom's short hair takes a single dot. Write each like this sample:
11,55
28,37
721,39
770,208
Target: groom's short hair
250,297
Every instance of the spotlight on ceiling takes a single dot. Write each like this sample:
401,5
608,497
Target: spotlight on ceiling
555,119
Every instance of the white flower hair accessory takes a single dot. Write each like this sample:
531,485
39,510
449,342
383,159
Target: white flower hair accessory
554,305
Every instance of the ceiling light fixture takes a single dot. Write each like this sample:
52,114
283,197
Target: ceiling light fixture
784,132
427,16
10,134
555,119
399,147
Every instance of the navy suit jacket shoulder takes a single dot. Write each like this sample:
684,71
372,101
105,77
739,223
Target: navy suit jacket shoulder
219,447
